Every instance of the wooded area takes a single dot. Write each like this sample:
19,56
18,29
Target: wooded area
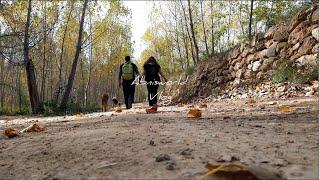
186,32
50,55
62,55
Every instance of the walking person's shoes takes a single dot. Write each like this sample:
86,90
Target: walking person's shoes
130,104
152,109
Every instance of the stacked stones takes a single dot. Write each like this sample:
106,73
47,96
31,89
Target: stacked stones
254,62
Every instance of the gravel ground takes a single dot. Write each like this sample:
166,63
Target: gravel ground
128,145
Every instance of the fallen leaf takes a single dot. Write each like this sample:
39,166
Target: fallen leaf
194,113
33,128
238,171
11,133
79,115
118,109
250,101
285,108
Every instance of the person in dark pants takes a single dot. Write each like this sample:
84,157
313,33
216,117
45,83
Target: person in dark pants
152,72
128,72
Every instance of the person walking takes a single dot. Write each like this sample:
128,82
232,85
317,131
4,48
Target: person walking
128,72
152,72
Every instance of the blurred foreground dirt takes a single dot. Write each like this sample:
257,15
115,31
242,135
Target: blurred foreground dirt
127,144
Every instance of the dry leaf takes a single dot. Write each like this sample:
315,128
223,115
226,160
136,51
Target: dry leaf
227,171
11,133
239,171
285,108
33,128
250,101
118,109
194,113
79,115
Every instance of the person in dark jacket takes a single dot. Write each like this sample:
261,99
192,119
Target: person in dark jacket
128,72
152,72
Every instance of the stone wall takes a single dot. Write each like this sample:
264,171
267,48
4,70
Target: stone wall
254,62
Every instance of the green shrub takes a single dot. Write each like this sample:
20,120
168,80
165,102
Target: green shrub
76,107
284,73
288,72
91,107
50,108
307,74
190,70
14,111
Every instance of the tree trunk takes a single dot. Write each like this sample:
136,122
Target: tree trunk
75,60
240,19
61,56
250,20
87,87
229,22
185,42
31,78
178,43
188,33
19,88
212,28
193,33
2,83
203,28
43,80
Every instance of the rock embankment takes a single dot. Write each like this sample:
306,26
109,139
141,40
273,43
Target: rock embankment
252,63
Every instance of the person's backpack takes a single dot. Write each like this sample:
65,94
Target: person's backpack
127,71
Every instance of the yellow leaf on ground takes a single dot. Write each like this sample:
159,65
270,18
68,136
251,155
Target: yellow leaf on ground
35,128
238,171
79,115
11,133
118,109
251,101
194,113
285,108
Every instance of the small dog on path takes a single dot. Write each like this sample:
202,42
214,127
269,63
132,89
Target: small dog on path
116,103
104,102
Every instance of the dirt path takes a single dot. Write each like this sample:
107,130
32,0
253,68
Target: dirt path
126,145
